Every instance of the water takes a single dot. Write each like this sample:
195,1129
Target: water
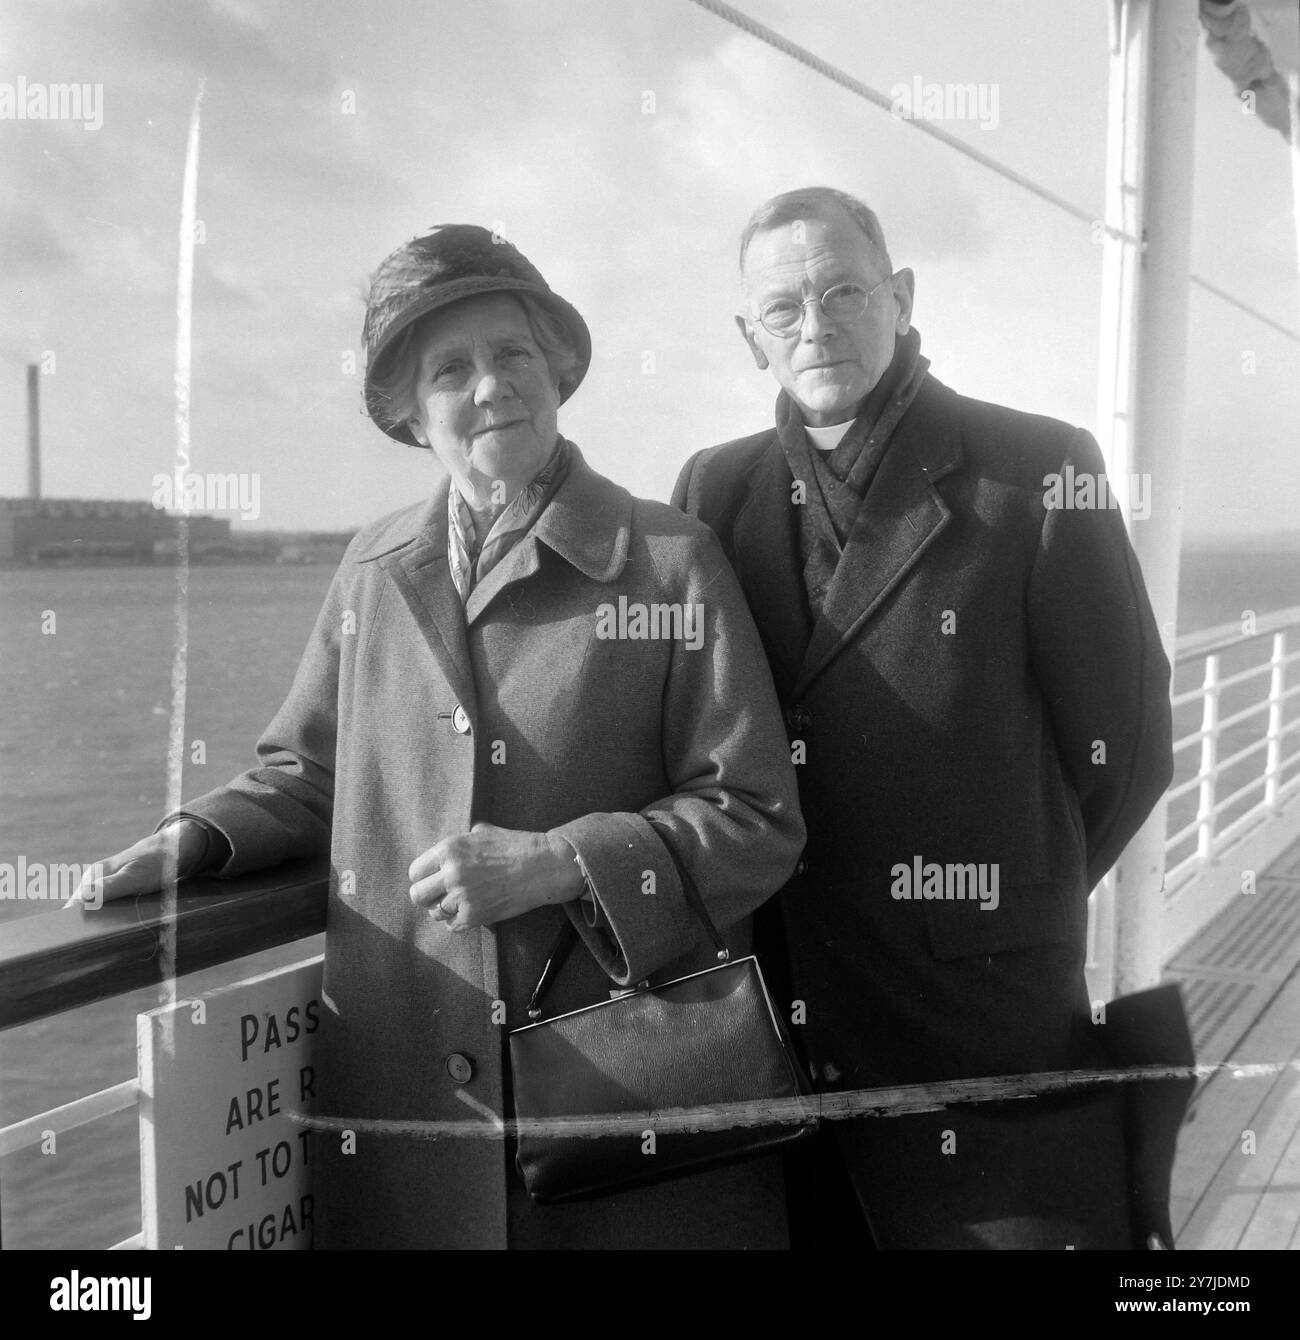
83,743
83,773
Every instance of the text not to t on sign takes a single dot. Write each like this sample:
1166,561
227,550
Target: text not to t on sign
222,1165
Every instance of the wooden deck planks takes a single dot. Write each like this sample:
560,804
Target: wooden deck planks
1246,989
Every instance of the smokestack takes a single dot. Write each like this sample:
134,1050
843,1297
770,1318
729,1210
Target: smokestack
33,432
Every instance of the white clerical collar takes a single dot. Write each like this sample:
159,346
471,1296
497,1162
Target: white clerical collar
827,439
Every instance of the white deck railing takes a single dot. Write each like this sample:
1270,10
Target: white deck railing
1214,831
1234,804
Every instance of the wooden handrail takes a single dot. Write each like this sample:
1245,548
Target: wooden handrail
63,959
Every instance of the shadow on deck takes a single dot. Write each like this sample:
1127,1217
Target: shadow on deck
1236,1181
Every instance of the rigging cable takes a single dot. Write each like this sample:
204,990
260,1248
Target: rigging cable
731,15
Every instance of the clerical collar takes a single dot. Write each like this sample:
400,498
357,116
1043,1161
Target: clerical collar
827,439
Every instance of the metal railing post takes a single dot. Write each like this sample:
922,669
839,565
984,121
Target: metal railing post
1209,760
1273,755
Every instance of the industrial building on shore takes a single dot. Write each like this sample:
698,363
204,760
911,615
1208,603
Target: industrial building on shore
34,529
96,530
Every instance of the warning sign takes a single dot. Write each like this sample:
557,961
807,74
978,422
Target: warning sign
222,1164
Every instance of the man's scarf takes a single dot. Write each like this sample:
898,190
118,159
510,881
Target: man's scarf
835,482
469,561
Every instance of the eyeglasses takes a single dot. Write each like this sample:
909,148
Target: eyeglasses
783,317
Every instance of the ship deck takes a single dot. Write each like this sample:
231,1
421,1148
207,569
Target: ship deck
1236,1181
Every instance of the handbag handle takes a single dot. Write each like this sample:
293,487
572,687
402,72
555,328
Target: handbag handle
568,937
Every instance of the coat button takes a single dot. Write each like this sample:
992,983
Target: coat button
801,866
460,1068
460,720
798,718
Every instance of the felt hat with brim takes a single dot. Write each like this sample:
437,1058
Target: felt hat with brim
440,267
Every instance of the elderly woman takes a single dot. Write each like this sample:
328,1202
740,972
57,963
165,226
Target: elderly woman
487,735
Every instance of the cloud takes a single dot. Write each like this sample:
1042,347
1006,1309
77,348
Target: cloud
215,38
534,115
226,284
721,126
31,242
220,379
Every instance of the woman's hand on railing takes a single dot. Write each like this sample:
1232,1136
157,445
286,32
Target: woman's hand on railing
174,852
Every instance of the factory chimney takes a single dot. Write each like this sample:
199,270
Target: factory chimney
33,432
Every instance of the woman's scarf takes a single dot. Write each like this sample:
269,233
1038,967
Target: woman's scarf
835,482
471,561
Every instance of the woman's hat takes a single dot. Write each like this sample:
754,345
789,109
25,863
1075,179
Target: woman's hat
444,265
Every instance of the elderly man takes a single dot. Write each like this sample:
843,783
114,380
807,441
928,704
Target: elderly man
978,704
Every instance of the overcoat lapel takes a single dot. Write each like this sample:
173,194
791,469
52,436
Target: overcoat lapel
900,518
420,572
588,523
519,564
766,558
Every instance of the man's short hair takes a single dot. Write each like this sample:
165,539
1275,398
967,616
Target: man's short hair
813,200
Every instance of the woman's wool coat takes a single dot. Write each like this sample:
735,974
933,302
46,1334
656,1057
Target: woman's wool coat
545,704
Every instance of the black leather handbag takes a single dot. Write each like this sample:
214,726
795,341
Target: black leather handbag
656,1082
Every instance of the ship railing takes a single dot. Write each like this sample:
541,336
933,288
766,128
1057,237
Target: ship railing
65,960
1233,805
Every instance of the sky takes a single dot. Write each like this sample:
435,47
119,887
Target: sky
621,146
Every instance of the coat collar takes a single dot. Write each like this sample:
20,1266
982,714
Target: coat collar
901,516
588,523
411,547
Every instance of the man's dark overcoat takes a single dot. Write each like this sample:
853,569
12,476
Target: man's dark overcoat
984,687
